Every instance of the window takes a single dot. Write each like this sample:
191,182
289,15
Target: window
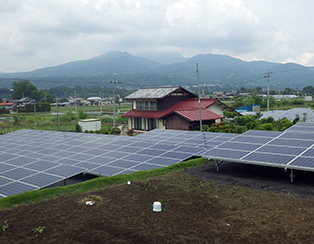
151,123
137,123
146,105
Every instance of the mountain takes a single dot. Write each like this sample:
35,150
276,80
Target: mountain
220,72
109,63
164,58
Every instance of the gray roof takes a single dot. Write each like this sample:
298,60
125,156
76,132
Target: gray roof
152,92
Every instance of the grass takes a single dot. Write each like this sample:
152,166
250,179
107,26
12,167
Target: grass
94,184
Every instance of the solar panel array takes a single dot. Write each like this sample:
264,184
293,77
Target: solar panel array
293,149
305,114
31,160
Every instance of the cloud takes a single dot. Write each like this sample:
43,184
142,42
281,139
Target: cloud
306,59
36,33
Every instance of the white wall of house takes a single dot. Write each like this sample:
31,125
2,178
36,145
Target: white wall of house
161,124
90,124
216,108
129,123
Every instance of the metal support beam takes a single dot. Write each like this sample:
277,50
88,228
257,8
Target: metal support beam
292,175
217,164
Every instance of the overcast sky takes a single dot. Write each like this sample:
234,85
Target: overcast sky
41,33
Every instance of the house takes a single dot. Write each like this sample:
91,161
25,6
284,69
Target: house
23,101
7,104
171,108
220,94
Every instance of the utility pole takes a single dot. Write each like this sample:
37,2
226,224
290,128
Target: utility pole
58,122
75,99
267,75
100,103
35,114
115,82
199,100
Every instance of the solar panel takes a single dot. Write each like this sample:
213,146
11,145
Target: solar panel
137,158
18,173
239,146
162,161
42,180
261,133
65,170
216,153
249,139
296,135
292,143
303,162
146,166
309,153
107,170
100,160
123,163
151,152
176,155
115,154
4,167
41,165
268,158
188,149
281,150
14,188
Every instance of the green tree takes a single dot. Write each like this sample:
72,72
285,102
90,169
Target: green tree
22,89
308,90
41,96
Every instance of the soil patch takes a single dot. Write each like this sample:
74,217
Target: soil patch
240,204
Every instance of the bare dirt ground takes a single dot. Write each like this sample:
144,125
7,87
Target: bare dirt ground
238,206
258,177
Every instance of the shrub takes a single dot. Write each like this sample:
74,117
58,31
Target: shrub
205,128
115,131
102,131
230,114
68,117
268,126
130,132
121,120
82,115
106,120
77,128
4,111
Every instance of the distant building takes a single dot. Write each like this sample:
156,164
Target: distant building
90,124
7,104
249,108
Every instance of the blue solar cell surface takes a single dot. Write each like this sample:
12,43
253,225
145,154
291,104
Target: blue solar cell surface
281,150
217,153
268,158
62,155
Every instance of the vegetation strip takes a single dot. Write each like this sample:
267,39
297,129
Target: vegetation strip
94,184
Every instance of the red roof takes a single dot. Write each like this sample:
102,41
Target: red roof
187,108
194,114
6,104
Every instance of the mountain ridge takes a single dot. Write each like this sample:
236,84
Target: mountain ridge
214,69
